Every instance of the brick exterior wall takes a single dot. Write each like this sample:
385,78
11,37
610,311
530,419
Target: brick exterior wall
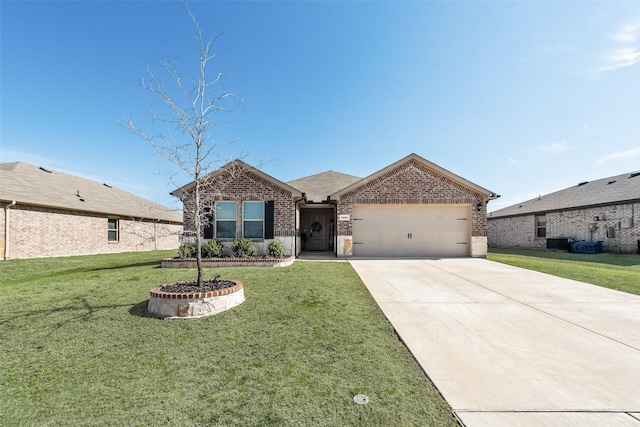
43,232
576,224
412,183
246,186
514,232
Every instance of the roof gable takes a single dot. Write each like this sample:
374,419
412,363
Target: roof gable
422,163
235,168
617,189
36,186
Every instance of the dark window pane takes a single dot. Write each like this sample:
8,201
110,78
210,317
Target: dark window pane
112,230
253,230
225,229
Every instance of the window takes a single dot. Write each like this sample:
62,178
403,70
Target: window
541,226
253,220
226,220
112,230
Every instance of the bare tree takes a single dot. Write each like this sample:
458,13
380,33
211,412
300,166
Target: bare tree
191,113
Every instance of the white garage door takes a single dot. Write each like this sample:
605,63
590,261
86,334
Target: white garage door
411,230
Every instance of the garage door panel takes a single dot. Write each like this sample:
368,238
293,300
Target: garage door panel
411,230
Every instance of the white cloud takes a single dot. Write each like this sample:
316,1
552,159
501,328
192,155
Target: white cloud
624,52
621,155
627,33
620,58
512,160
555,147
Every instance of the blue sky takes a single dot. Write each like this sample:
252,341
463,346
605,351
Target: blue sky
522,98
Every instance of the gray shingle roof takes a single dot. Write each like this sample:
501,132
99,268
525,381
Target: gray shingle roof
606,191
319,186
31,185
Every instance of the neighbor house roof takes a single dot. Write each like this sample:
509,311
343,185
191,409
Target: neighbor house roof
321,185
617,189
32,185
415,158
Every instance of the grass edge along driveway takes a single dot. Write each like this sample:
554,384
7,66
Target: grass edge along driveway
77,350
609,270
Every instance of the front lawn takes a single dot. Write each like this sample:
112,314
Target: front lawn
77,350
615,271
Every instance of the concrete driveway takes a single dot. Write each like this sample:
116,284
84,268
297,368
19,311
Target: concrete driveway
512,347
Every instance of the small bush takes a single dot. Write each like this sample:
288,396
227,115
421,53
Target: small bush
275,249
186,250
244,248
212,249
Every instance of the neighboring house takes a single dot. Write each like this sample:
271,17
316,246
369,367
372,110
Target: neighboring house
411,208
44,213
606,210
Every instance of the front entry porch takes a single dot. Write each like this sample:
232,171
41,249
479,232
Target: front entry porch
317,229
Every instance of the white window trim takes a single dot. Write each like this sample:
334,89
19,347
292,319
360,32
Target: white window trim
253,219
235,219
117,230
539,227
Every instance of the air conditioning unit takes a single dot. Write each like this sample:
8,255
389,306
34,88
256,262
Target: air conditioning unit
626,223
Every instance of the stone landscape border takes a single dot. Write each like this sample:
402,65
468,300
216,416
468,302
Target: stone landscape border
191,305
227,262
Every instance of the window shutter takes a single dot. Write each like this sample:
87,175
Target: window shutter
208,224
268,219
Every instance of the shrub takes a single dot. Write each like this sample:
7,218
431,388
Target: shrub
243,248
212,249
275,249
186,250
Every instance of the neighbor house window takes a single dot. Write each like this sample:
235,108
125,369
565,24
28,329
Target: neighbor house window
112,230
226,220
541,226
253,220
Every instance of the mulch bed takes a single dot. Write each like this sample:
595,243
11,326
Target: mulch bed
192,286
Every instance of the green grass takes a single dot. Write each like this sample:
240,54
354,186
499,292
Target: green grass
614,271
78,350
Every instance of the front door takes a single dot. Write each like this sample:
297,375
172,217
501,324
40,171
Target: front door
317,233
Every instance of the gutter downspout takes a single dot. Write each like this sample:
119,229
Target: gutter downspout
6,228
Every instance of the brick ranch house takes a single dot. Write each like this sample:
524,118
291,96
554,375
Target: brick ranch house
411,208
44,213
606,210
